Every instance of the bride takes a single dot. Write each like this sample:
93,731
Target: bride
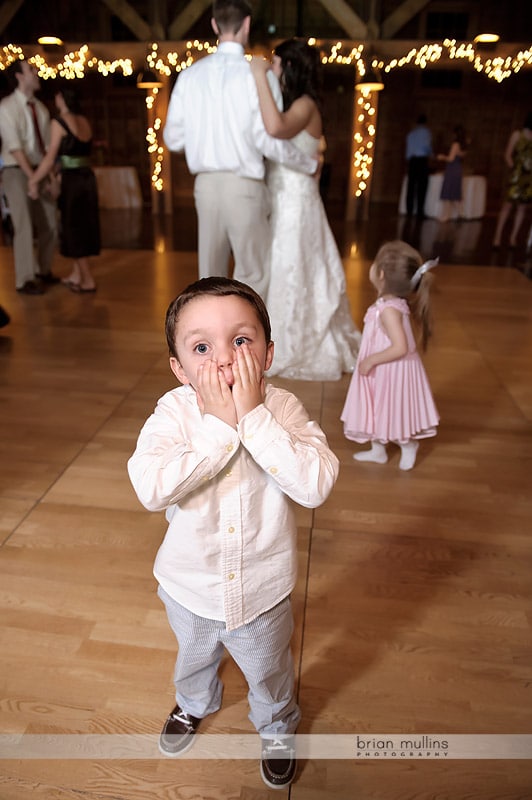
315,337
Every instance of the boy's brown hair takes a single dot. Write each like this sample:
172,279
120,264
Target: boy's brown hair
214,287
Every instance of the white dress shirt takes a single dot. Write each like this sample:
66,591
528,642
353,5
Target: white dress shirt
17,130
214,116
230,549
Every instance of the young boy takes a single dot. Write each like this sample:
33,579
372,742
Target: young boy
225,455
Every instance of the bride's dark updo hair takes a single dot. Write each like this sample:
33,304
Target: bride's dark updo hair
301,71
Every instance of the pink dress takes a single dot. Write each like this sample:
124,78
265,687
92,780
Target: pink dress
394,402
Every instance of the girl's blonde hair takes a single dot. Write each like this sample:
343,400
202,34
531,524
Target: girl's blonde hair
398,262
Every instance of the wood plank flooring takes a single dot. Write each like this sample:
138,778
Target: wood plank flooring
413,605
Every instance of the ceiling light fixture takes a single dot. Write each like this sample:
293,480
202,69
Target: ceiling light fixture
486,38
148,80
50,41
371,81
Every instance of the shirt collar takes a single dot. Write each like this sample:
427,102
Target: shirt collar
234,48
22,98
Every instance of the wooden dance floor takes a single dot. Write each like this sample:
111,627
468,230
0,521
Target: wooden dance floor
413,606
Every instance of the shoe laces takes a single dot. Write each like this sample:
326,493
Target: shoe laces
182,717
278,748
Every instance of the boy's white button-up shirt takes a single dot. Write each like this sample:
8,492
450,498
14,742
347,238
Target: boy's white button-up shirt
230,549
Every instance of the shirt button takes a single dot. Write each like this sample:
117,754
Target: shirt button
228,473
231,576
273,470
229,448
231,529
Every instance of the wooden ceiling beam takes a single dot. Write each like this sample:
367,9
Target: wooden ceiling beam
186,19
8,9
131,19
346,17
400,16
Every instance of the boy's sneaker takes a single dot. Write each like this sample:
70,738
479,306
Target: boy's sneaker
278,761
177,735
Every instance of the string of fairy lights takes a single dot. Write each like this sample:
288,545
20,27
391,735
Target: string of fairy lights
77,63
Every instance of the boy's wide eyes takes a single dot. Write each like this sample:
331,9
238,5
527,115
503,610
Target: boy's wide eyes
202,349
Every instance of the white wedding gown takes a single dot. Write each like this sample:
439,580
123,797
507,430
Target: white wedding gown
314,335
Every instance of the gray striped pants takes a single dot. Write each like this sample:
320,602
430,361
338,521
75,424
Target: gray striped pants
262,651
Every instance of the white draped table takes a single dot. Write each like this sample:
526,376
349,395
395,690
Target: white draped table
118,187
473,196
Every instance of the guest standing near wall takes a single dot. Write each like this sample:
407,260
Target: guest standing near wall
25,133
71,140
518,156
451,190
418,153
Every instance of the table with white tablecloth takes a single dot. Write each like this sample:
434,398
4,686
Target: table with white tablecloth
473,196
118,187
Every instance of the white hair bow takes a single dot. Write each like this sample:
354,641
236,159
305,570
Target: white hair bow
418,274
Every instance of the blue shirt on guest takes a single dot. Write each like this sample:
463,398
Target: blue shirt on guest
419,143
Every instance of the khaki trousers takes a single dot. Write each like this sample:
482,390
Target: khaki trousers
29,216
233,216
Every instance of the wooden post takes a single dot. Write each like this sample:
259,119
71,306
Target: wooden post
160,163
363,137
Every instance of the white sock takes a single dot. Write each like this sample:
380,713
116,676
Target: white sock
377,454
408,454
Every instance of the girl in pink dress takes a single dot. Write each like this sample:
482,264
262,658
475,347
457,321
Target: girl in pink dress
389,397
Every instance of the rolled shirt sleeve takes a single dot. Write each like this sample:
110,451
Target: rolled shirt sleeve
291,449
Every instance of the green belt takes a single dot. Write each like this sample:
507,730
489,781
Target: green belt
75,162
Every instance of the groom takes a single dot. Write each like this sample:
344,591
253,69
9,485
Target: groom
214,117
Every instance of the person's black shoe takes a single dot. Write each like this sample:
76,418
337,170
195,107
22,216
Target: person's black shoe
47,277
278,761
178,732
31,287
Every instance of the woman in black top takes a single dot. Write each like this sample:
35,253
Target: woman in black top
71,142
